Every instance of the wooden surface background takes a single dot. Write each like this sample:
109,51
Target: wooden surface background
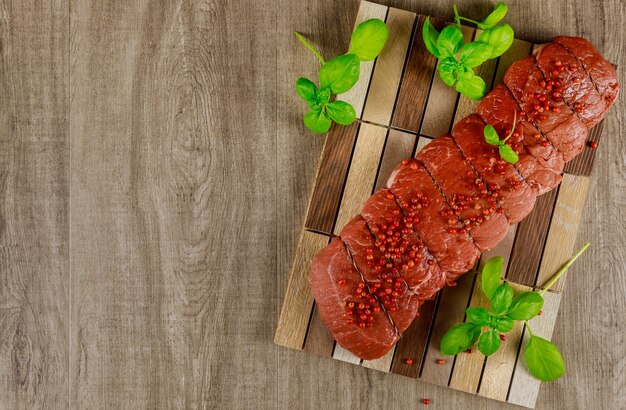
154,175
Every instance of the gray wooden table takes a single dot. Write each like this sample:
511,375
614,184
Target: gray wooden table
154,175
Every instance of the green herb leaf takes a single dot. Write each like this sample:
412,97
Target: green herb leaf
341,112
306,89
478,316
503,324
489,342
459,338
544,360
525,306
340,73
446,70
507,154
430,36
368,39
494,17
323,95
471,85
499,37
502,299
490,277
317,120
450,41
491,136
475,53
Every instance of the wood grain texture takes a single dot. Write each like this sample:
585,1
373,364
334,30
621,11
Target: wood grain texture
345,356
530,240
468,365
442,101
518,50
499,366
389,66
563,231
34,205
356,95
362,174
318,341
298,304
331,178
416,81
383,364
524,387
583,163
399,146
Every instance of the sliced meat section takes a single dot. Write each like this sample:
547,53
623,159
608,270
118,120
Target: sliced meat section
381,277
433,219
343,301
396,238
602,73
471,202
577,90
505,183
553,118
540,163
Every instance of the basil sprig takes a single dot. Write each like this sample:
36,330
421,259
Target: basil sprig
457,58
543,359
506,152
338,76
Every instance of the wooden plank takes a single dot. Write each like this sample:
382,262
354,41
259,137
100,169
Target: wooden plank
563,231
383,364
583,163
413,342
345,356
524,387
529,241
499,366
330,179
298,303
442,99
34,205
468,366
356,95
415,84
518,50
318,341
362,174
383,89
504,249
399,146
421,143
450,311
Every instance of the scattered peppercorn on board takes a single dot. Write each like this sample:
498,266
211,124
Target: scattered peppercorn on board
402,105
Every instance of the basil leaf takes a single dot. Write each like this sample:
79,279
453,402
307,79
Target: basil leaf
470,85
368,39
450,41
525,306
503,324
494,17
507,154
502,299
306,89
323,95
446,70
489,342
317,120
341,112
491,136
490,277
340,73
475,53
478,316
499,37
459,338
430,36
544,360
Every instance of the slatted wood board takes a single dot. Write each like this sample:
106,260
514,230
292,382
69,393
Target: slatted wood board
402,105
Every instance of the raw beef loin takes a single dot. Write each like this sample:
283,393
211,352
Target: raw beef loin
457,198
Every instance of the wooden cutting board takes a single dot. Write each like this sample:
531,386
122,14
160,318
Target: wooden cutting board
402,105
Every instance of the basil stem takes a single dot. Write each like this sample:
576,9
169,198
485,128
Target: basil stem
310,47
561,271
